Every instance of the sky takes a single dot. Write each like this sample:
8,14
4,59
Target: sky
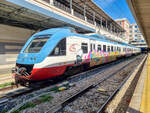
116,9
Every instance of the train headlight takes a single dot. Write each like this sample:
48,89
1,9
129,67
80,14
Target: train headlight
34,59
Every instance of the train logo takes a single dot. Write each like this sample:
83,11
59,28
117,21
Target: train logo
72,48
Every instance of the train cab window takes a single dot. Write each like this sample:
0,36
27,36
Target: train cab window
104,48
108,48
98,47
60,49
84,47
36,44
112,48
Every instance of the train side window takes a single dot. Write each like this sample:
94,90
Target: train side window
98,47
117,48
104,48
94,46
91,47
60,49
84,47
112,48
108,48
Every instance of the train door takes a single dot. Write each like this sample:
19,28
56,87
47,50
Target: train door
93,53
93,48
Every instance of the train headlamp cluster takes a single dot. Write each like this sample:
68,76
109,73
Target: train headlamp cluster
33,58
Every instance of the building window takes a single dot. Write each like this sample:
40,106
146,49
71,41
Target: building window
136,31
136,26
84,47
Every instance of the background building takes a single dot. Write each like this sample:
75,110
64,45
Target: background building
124,23
136,37
135,33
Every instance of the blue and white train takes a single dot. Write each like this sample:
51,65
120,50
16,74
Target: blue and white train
53,52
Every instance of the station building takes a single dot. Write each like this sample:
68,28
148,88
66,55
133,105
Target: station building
135,33
124,23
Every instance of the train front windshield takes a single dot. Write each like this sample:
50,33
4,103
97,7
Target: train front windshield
36,44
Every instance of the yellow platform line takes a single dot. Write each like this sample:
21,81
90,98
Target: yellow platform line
145,104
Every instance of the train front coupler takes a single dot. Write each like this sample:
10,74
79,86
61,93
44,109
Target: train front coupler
20,75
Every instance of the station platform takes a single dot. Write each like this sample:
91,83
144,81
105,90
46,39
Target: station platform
140,101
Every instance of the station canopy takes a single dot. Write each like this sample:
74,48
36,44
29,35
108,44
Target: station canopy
16,15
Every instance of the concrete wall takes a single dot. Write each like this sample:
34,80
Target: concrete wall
11,41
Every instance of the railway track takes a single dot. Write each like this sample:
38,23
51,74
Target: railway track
76,78
86,100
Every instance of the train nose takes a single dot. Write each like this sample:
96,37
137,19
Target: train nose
30,58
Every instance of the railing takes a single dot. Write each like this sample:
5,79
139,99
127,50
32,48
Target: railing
47,1
90,21
62,6
78,15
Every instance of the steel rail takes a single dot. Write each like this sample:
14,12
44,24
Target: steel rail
119,87
59,107
30,89
7,97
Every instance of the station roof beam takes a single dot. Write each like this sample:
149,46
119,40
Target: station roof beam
37,15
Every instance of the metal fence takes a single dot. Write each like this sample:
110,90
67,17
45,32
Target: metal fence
62,6
81,15
78,15
48,1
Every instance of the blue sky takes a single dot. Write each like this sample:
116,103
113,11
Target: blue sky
116,9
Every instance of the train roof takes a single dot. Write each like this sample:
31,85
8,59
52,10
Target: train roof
68,31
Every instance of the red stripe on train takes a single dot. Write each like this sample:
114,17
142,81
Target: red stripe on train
46,73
